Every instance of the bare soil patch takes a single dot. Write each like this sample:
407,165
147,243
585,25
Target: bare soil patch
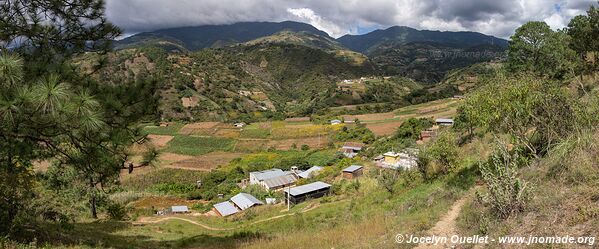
384,129
206,162
199,128
159,140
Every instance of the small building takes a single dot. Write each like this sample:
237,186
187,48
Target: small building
336,122
352,171
407,159
458,96
427,135
178,210
244,201
391,158
279,182
239,125
271,201
225,209
301,193
351,149
310,172
257,177
444,121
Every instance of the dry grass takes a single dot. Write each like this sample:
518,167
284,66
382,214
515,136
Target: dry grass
384,129
364,234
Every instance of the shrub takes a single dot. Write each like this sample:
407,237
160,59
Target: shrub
507,194
440,157
116,211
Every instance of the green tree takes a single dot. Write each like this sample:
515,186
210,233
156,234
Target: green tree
584,31
536,112
51,111
538,49
439,157
411,128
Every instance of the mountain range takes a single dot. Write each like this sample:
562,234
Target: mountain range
253,70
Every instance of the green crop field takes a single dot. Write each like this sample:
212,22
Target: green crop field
163,130
195,146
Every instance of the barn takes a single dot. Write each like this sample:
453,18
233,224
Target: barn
352,171
301,193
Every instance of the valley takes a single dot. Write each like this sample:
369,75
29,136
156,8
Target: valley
282,134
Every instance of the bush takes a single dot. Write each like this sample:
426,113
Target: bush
116,211
440,157
507,194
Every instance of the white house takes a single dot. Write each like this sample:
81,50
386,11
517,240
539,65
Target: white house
257,177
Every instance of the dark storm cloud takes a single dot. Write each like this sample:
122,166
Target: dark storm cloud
338,17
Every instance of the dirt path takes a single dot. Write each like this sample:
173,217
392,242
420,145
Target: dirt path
446,226
153,220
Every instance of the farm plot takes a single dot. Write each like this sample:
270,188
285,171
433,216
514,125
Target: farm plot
160,140
383,128
371,117
201,128
288,144
172,129
206,162
300,131
196,146
251,145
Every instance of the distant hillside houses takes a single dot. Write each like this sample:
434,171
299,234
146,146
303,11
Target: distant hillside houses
351,149
444,121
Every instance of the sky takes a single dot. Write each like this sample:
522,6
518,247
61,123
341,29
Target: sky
339,17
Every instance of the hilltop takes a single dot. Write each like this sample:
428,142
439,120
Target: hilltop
215,36
423,55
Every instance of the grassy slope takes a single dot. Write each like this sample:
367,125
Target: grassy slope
566,197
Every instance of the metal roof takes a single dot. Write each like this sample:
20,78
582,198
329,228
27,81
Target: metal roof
299,190
444,120
179,209
265,174
306,174
245,201
352,168
354,146
279,181
226,208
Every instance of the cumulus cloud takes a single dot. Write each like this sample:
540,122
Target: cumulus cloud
308,16
338,17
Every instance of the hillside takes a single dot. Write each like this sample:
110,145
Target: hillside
248,82
400,34
215,36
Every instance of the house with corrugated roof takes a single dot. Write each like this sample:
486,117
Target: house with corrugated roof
178,209
310,172
257,177
279,182
225,209
244,201
352,171
308,191
444,121
351,149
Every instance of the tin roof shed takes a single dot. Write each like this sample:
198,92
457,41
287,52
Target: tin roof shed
245,201
226,208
